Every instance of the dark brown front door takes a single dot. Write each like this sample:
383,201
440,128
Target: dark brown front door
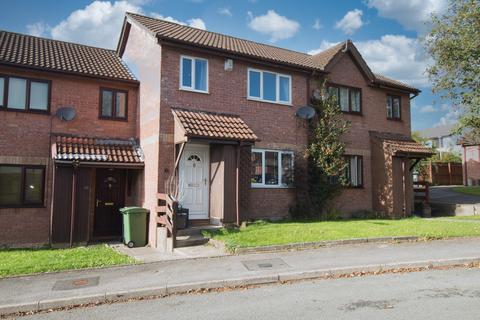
110,196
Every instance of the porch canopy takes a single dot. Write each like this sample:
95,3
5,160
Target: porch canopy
195,124
97,151
399,145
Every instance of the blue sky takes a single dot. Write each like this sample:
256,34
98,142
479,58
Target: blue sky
387,32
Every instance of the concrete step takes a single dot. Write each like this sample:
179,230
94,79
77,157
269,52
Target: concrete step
196,230
191,240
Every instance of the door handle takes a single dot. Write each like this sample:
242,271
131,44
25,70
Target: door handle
98,202
205,181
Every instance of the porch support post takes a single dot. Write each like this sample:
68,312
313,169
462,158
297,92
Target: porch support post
72,210
237,182
179,155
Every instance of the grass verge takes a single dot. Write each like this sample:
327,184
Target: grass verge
275,233
475,191
28,261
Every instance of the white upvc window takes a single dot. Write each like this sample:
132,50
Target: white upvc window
193,74
272,169
269,86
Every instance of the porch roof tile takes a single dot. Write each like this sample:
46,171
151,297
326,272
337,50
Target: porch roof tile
401,144
76,148
203,124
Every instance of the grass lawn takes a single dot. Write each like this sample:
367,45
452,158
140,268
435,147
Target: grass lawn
468,190
266,233
477,217
27,261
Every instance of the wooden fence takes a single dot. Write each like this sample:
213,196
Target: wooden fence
167,217
443,173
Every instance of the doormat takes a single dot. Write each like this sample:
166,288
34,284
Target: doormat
265,264
79,283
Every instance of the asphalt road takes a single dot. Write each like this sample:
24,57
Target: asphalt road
445,294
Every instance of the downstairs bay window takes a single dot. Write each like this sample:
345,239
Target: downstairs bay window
272,168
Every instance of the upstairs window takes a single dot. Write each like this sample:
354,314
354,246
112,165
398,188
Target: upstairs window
394,111
354,171
21,186
113,104
269,86
22,94
272,168
194,74
349,99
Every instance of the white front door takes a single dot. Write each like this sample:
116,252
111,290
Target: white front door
194,180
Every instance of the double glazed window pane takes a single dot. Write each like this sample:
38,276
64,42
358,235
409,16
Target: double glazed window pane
389,107
201,75
121,104
287,169
284,89
33,185
187,72
17,96
2,88
257,167
344,99
269,86
271,168
107,103
355,100
39,95
354,170
254,84
10,185
396,108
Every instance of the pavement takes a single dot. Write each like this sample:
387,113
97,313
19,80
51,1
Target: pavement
434,294
54,290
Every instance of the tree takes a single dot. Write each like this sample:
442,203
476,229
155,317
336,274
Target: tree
454,44
325,159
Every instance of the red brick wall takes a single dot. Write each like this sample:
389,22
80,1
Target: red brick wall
275,124
25,139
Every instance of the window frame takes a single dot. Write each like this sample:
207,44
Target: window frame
280,184
359,157
277,87
393,117
114,104
4,103
192,88
350,89
26,204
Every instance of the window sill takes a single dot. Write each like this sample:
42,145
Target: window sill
353,113
114,119
352,187
395,119
288,104
270,187
193,90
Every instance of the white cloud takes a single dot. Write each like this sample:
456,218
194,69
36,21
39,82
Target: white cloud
225,12
351,22
317,25
38,29
451,117
411,14
395,56
274,25
428,109
99,23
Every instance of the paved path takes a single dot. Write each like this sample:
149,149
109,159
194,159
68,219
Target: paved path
440,295
67,288
445,194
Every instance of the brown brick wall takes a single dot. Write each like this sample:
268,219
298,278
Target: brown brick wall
25,139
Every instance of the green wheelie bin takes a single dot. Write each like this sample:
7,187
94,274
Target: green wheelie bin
134,226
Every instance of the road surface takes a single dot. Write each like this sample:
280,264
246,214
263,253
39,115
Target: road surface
437,294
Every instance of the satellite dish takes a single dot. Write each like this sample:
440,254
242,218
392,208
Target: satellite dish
305,112
66,113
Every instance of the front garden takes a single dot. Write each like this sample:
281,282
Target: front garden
475,191
269,233
28,261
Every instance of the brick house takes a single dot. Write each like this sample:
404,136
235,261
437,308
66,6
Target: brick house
211,117
195,83
48,163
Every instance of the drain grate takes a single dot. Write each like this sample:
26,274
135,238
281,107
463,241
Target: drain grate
265,264
79,283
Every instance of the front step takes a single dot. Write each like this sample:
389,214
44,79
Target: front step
193,236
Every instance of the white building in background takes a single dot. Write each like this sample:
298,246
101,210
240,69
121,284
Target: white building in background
442,139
